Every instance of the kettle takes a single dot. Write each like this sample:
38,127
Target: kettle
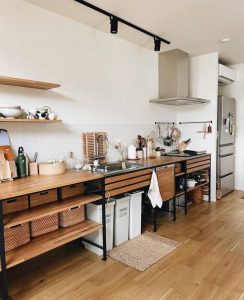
21,163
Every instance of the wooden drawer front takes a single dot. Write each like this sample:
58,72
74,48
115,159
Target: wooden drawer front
199,163
130,181
166,182
127,176
15,204
43,197
178,168
127,188
72,190
199,168
198,159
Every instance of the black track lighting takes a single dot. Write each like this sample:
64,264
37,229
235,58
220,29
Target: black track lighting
114,25
157,44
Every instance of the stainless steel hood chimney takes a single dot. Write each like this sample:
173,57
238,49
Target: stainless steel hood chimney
173,79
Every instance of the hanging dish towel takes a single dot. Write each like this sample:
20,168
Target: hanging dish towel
154,192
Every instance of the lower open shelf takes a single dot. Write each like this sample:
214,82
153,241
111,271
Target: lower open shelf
50,241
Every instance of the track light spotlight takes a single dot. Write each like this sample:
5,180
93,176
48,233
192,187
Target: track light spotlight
157,44
114,25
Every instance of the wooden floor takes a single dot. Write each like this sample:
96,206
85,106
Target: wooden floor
209,265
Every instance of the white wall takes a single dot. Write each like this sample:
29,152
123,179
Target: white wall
236,90
203,84
106,82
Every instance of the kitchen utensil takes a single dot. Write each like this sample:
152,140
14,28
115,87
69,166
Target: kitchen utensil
183,145
11,111
175,133
190,183
5,171
168,139
209,128
21,163
204,131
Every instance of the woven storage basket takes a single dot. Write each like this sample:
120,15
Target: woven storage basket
44,225
72,216
16,236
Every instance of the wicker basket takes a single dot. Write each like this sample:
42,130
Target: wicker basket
72,216
16,236
44,225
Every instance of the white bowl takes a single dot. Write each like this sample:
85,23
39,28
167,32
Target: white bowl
190,183
11,112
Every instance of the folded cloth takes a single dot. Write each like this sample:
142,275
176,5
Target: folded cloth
154,192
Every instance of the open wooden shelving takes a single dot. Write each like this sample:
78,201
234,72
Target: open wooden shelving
38,212
180,174
50,241
197,186
30,121
34,84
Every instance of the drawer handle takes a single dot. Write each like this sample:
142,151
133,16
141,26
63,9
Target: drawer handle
74,207
15,226
44,193
12,200
72,186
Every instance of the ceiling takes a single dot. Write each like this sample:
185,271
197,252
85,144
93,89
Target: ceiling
195,26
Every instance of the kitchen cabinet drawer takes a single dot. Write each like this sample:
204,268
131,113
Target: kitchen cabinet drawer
72,190
199,163
120,184
166,182
128,188
43,197
15,204
127,176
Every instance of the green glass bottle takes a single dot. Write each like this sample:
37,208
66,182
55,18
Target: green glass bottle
21,163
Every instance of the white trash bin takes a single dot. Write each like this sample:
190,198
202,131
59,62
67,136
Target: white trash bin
94,213
135,214
121,224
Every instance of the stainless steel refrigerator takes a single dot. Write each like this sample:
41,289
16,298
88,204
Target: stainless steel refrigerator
226,143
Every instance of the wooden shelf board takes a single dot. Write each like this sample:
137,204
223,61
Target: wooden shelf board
197,186
28,83
49,242
30,121
38,212
180,174
179,193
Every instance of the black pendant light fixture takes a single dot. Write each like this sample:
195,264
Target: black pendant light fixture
114,25
114,20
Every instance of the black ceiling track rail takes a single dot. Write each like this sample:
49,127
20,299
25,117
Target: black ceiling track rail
106,13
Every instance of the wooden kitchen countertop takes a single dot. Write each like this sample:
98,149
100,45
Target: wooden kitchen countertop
165,160
37,183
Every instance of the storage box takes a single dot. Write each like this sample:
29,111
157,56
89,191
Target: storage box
72,216
16,236
94,213
15,204
44,225
135,214
43,197
52,168
72,190
121,224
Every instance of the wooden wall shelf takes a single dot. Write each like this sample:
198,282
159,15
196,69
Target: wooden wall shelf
29,121
28,83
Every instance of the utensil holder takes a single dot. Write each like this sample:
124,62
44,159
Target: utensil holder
33,168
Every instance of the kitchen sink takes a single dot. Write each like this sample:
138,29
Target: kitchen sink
117,167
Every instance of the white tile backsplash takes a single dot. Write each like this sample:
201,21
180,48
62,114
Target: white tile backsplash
54,141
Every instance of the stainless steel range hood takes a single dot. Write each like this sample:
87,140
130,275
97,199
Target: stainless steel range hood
173,79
